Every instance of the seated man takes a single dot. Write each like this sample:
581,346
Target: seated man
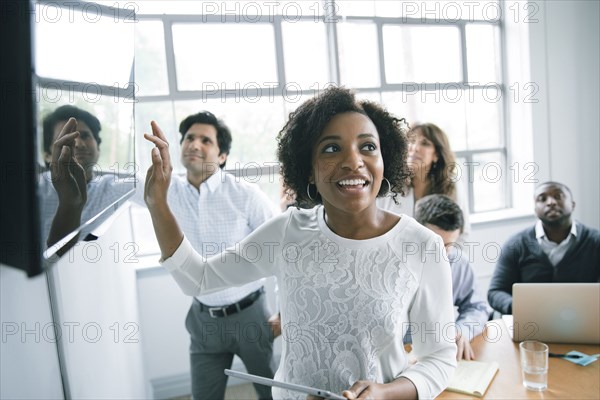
444,217
556,249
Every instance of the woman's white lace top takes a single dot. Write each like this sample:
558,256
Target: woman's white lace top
345,304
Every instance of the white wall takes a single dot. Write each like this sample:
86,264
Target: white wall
163,308
96,296
100,331
28,358
566,65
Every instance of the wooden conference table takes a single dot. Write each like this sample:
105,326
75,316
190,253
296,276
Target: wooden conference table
566,380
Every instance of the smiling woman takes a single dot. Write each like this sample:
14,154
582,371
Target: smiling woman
348,168
297,141
349,257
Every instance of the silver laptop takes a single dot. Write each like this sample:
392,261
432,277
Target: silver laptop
556,312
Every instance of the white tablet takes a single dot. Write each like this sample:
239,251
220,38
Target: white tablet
291,386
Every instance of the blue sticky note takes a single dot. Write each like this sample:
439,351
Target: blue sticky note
583,361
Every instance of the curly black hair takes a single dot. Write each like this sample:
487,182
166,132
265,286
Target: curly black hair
299,135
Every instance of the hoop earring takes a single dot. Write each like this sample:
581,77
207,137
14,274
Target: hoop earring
308,192
389,192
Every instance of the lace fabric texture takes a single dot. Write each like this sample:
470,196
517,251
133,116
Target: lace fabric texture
345,304
346,309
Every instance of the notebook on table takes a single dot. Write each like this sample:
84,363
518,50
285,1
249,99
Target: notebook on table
556,312
473,377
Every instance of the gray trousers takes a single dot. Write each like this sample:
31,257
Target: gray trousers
214,341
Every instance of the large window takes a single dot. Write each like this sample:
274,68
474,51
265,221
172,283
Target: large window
251,63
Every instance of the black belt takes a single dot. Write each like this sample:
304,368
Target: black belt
224,311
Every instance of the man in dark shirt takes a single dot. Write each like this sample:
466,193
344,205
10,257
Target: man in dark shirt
556,249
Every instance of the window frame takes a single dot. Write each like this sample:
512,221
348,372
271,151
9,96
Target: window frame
331,28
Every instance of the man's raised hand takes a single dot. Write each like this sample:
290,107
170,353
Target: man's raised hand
158,177
68,177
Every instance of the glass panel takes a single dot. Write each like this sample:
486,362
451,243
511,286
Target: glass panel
448,10
246,56
162,112
417,53
358,54
363,8
370,96
97,70
298,72
254,127
115,116
83,45
150,57
482,55
462,180
462,173
247,9
488,182
390,9
294,101
292,10
486,10
445,108
258,138
398,104
268,183
483,117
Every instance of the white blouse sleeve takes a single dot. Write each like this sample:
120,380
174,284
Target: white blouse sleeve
432,324
249,260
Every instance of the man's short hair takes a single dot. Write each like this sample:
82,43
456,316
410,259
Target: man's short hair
552,183
63,113
205,117
441,211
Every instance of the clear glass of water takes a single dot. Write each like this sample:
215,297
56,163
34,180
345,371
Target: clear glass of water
534,364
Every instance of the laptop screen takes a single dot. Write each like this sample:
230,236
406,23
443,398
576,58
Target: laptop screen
556,312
